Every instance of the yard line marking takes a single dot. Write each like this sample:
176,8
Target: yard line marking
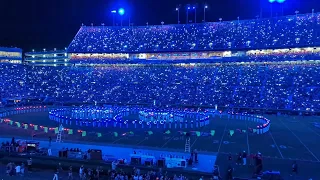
202,129
224,132
274,141
194,141
247,136
141,141
299,160
310,129
168,141
300,140
117,140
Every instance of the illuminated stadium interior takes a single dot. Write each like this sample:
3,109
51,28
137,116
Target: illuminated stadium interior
221,83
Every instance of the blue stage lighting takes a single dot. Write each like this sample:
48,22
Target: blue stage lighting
272,1
121,11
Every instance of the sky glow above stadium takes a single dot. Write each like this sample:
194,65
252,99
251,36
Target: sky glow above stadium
278,1
73,13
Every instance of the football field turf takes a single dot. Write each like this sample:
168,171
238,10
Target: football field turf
290,138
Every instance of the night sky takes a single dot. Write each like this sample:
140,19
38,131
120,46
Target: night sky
38,24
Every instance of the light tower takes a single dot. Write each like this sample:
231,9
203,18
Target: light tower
113,12
188,8
178,11
275,1
121,12
204,12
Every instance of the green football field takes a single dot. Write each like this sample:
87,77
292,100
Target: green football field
290,138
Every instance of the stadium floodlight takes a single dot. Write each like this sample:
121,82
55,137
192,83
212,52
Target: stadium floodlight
178,11
121,11
278,1
273,1
204,12
187,15
113,12
195,14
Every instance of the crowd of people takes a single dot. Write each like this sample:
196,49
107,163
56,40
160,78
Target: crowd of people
115,174
13,169
286,31
273,86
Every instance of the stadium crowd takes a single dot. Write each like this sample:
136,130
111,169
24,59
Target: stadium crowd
277,32
278,85
272,86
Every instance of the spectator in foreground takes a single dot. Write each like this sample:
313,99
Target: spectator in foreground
81,172
244,158
29,162
229,173
294,168
55,175
70,173
22,169
18,170
239,160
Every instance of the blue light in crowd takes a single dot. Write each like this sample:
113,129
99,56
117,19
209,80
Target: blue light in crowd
114,11
121,11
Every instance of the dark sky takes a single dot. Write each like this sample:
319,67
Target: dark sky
38,24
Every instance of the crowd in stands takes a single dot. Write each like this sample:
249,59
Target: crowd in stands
288,86
12,80
272,86
269,33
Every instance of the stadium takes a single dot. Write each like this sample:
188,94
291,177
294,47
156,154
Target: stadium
219,88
